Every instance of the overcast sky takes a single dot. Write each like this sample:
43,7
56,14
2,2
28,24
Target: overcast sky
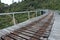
8,1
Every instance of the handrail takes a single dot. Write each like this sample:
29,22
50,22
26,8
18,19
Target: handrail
17,26
13,14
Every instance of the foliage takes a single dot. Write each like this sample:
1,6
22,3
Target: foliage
31,5
25,5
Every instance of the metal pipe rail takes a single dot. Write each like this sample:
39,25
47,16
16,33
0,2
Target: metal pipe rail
13,14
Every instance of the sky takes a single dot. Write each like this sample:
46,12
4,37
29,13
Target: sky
8,1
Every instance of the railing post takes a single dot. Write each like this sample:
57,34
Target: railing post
14,19
36,13
40,12
28,15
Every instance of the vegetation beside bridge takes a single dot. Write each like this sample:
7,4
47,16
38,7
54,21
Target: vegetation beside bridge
25,5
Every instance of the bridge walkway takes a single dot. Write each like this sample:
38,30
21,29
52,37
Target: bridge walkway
37,28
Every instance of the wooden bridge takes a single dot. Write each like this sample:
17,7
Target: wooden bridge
37,28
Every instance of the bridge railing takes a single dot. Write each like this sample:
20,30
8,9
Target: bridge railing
20,25
14,18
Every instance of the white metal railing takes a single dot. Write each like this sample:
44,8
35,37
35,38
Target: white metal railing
10,29
13,14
